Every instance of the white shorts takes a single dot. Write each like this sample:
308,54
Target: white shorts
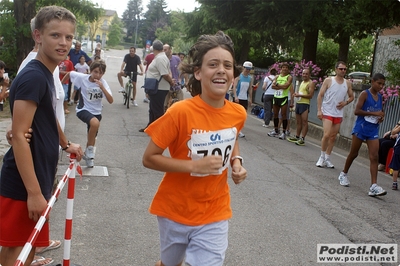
203,245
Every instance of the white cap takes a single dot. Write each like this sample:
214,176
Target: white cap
248,64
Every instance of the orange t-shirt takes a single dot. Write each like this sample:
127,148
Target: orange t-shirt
191,129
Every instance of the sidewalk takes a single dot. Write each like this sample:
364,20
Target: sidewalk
4,146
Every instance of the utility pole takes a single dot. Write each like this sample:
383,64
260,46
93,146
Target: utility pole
137,22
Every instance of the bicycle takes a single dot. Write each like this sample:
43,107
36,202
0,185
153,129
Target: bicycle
128,89
173,97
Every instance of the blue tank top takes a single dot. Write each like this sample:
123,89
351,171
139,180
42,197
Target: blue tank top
370,105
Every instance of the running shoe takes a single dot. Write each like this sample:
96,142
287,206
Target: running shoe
343,180
329,164
394,186
376,191
241,135
89,152
300,142
273,133
121,90
265,125
282,136
381,167
321,162
293,139
89,162
145,100
134,103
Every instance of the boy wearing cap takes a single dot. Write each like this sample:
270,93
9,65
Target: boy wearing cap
242,92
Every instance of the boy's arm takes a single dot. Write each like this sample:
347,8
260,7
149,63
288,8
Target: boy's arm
23,113
109,97
68,146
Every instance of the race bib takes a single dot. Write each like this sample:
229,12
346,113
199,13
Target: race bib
372,119
278,92
94,94
213,143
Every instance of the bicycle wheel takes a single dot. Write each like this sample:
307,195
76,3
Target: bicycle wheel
128,94
124,98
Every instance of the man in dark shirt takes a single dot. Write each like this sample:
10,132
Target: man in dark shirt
130,63
74,55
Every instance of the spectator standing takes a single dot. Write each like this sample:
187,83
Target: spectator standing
330,103
283,87
146,62
242,89
395,163
74,55
158,69
268,96
366,128
65,66
4,82
306,92
174,62
130,64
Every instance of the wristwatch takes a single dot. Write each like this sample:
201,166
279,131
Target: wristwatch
237,157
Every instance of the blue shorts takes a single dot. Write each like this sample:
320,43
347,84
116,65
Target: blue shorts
301,108
366,131
203,245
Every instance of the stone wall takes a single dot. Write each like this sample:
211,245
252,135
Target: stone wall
385,50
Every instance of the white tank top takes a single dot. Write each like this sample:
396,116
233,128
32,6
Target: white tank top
335,94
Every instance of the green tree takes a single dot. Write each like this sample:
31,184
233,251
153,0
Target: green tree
155,17
19,34
114,35
131,17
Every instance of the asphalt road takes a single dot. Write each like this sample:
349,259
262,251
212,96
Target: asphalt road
280,213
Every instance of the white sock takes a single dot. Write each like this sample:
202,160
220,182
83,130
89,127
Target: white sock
326,156
322,154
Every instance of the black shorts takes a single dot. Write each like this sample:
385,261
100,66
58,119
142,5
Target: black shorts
134,75
86,116
280,101
301,108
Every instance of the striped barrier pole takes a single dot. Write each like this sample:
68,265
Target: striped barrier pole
69,213
39,225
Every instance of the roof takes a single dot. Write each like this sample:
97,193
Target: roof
109,13
391,31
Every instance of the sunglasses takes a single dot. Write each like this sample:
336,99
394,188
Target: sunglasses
342,68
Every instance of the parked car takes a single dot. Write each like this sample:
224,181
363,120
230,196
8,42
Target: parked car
359,77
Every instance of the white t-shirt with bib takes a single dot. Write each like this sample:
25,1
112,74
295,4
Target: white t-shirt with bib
91,93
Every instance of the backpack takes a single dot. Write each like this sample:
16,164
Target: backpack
256,110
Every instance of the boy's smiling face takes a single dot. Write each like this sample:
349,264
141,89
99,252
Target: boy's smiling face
55,41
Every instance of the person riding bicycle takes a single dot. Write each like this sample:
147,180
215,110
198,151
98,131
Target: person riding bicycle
130,63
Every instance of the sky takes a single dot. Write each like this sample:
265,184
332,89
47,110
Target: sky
121,5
